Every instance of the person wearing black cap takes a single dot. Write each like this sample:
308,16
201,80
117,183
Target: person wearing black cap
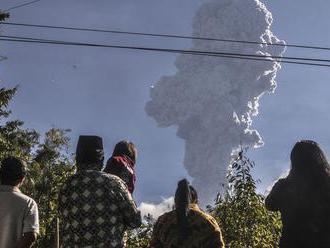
95,208
19,220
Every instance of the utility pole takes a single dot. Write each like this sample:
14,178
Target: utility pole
57,234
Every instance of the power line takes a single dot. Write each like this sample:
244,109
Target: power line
23,4
238,56
180,50
177,51
165,35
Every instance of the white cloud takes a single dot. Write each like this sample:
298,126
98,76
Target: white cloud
157,210
211,100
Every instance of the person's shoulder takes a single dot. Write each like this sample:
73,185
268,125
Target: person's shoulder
194,208
280,184
211,220
86,176
282,187
112,180
282,181
26,199
166,217
168,214
205,218
110,177
69,181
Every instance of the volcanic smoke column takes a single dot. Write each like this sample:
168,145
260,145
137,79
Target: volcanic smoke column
212,99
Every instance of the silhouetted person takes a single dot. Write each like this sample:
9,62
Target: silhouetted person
187,226
122,163
303,198
19,220
95,207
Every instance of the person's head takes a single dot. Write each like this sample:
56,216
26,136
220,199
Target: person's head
185,194
12,171
125,148
89,153
309,161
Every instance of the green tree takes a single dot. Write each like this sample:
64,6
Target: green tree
49,163
140,237
15,140
49,169
241,212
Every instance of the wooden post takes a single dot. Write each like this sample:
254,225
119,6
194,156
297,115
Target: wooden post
57,233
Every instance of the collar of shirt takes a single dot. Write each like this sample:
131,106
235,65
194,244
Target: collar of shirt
8,188
90,166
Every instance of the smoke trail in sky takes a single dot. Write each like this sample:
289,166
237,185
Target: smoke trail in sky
212,100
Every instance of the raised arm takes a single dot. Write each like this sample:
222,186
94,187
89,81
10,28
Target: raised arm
131,215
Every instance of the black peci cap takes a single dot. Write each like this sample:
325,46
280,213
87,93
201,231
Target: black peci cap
89,150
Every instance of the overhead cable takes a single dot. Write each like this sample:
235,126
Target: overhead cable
288,60
22,5
177,50
166,35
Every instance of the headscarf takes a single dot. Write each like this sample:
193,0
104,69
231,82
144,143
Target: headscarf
123,167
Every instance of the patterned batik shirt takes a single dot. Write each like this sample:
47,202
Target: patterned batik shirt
204,231
95,210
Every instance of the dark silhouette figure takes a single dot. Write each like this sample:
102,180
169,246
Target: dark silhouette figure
187,226
303,198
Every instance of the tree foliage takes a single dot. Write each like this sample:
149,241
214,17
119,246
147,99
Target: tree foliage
140,237
241,212
49,163
52,161
15,140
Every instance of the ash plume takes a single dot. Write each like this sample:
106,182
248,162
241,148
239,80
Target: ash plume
212,100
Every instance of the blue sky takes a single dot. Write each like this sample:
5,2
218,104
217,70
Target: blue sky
103,92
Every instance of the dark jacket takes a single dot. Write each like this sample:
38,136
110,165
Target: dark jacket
304,212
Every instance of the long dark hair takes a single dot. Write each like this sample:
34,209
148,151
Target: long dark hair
184,195
309,179
309,163
126,148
